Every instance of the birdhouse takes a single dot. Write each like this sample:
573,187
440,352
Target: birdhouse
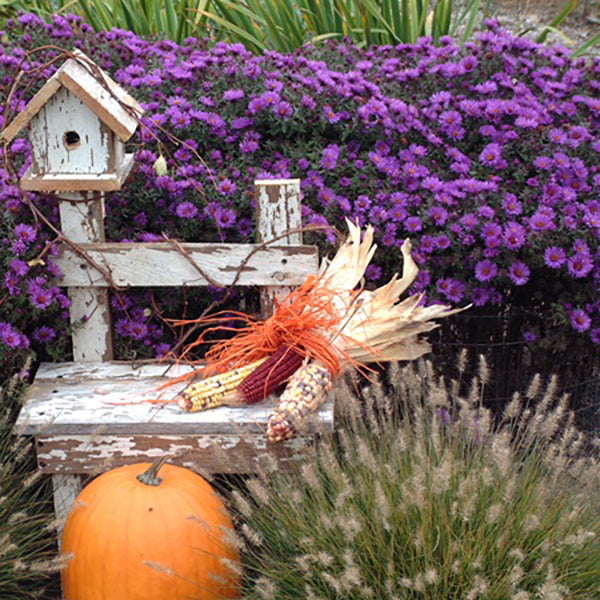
79,123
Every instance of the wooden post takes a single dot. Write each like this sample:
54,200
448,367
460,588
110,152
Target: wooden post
82,220
277,211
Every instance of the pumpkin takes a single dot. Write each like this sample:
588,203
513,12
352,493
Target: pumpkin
132,535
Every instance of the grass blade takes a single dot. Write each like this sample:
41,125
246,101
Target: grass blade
586,46
564,13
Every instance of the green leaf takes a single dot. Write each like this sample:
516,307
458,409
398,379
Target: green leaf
586,46
564,13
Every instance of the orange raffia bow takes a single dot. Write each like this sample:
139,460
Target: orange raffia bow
304,320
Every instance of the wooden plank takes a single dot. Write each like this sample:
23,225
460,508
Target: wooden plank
82,220
210,453
108,370
278,211
66,488
163,264
80,402
31,109
82,182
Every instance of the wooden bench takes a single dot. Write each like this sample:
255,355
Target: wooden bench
87,415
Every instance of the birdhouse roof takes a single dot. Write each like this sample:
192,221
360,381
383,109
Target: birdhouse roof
104,97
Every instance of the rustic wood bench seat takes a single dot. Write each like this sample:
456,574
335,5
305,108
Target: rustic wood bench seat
88,417
92,414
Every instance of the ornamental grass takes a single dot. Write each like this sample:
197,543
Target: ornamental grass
27,528
423,494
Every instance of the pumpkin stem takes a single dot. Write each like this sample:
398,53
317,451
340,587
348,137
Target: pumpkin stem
150,477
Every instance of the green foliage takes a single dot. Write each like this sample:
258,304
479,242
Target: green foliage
175,20
288,24
43,8
424,497
27,547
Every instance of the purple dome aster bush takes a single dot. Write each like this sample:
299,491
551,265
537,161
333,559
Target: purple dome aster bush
488,157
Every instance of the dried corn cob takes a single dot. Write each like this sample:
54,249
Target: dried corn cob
268,376
306,390
246,385
210,392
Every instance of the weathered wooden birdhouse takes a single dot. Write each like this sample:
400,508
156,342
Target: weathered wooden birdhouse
79,122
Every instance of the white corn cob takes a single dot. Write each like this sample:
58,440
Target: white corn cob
306,390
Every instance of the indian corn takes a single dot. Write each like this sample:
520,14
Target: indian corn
269,376
212,391
245,385
306,390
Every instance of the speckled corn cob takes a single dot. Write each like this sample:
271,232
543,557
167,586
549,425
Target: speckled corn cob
306,390
212,391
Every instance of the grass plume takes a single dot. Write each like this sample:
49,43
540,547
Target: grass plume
423,494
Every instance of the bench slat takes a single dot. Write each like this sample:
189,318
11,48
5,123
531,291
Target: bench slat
212,453
162,264
108,403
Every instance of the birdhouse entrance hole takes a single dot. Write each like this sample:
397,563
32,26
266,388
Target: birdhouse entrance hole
71,140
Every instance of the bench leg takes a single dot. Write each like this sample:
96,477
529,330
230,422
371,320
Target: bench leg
66,489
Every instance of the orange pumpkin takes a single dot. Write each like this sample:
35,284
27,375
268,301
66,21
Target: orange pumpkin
132,535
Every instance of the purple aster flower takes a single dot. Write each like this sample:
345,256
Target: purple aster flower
491,231
373,272
224,217
449,119
580,320
529,336
138,330
40,297
455,291
331,153
554,257
540,221
443,285
283,110
326,197
469,221
413,224
44,334
19,267
10,337
479,296
485,270
442,242
579,265
362,203
514,235
491,155
511,205
373,111
249,143
595,335
25,234
309,102
245,227
186,210
519,272
577,135
580,247
270,99
545,163
255,105
233,95
227,187
557,136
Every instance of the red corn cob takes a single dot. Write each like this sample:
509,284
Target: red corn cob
268,376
